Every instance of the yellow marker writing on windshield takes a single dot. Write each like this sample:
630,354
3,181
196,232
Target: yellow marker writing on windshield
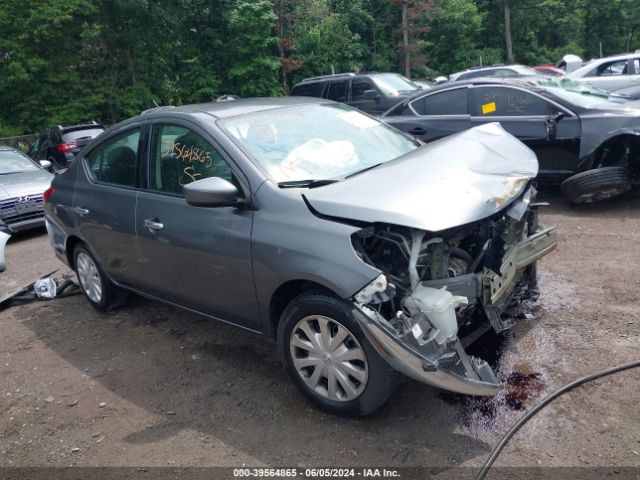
488,108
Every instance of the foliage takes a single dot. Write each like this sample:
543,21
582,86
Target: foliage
65,61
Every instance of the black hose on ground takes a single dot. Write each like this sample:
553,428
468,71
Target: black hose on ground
543,403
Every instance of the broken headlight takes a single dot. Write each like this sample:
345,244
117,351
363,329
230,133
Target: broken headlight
378,291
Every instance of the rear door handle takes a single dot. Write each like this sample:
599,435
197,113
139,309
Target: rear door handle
153,224
81,211
417,131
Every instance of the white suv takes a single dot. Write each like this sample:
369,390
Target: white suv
611,73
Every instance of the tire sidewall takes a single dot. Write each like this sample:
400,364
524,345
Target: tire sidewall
381,378
594,181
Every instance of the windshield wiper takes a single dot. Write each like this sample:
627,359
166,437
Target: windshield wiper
358,172
8,173
310,183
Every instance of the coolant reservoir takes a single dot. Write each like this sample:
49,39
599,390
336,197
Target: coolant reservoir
439,307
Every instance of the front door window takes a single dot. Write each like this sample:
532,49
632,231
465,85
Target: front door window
181,156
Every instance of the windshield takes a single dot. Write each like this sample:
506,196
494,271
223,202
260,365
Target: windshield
394,83
14,162
316,141
581,94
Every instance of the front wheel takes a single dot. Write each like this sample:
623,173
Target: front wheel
98,289
596,185
329,358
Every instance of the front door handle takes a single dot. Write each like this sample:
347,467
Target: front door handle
417,131
153,224
81,211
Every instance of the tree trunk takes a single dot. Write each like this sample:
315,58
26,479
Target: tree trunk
280,29
507,31
405,40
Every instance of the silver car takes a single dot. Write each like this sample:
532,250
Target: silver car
610,73
360,251
22,183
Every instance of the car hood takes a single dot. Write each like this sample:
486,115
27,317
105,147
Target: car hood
25,183
454,181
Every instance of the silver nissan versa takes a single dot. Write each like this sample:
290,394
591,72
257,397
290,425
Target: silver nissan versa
360,251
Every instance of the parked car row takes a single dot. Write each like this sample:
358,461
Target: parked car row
587,140
364,246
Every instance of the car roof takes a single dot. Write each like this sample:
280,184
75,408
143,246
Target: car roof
343,76
487,68
221,110
515,81
523,81
235,107
599,61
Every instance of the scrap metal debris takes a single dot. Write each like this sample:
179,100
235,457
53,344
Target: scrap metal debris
44,288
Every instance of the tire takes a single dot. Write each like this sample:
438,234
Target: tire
362,381
95,285
595,185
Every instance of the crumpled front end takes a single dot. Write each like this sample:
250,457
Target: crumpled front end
436,291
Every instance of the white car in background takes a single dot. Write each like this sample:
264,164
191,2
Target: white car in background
611,73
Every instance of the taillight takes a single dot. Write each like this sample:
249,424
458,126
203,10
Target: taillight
47,194
66,147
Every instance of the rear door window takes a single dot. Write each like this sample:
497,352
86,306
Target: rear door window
338,91
449,102
116,160
508,102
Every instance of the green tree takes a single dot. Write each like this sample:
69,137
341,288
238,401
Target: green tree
253,49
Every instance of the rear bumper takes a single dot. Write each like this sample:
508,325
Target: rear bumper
58,240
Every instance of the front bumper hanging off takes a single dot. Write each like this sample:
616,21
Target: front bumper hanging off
443,362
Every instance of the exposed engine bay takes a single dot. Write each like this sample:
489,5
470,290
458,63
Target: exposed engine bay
435,289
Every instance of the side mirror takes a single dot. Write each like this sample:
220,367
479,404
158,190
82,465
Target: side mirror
211,192
551,124
371,95
46,164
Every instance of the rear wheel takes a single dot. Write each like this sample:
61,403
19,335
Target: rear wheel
329,358
98,289
596,185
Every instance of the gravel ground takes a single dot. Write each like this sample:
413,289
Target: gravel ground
150,385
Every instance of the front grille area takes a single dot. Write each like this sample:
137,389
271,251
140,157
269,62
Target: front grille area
20,209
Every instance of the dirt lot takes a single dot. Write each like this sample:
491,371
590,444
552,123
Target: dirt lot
151,385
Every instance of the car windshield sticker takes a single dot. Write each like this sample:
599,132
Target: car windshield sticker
488,108
358,120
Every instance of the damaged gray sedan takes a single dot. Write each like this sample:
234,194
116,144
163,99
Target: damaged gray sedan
360,251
